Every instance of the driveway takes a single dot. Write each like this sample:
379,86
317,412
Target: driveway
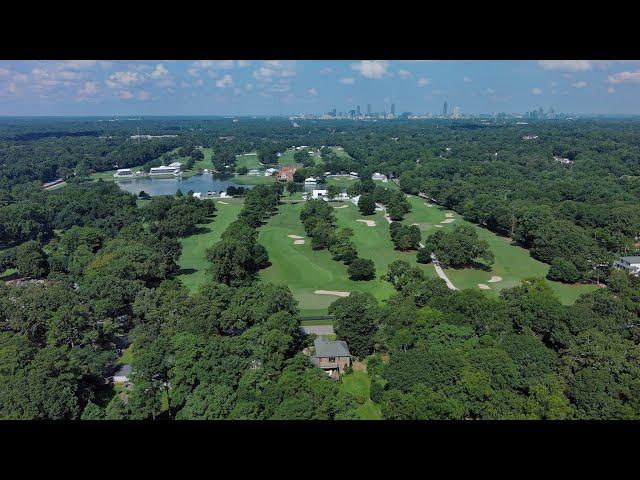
318,329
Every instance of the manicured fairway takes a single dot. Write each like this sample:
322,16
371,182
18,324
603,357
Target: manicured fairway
192,261
512,263
287,158
305,270
359,383
206,162
250,161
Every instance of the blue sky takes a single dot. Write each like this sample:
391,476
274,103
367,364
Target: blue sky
258,87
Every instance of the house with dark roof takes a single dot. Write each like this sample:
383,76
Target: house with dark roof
331,356
630,264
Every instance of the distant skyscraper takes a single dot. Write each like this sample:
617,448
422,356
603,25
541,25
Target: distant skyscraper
334,112
358,110
368,109
456,112
540,113
444,109
393,109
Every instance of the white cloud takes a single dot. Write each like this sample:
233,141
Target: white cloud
326,70
226,81
436,92
4,72
20,77
124,79
274,69
313,92
566,65
624,77
159,72
467,79
423,82
244,63
78,64
374,69
405,74
248,87
579,84
143,95
347,80
88,89
611,90
125,95
536,91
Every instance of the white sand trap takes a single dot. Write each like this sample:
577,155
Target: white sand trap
370,223
298,242
331,292
482,286
448,215
495,279
448,220
223,203
295,237
438,226
342,206
428,205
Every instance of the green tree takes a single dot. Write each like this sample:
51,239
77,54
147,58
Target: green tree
366,204
31,261
362,269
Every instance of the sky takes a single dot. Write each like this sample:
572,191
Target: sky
285,87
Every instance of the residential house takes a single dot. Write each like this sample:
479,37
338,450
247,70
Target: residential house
286,174
122,375
630,264
331,356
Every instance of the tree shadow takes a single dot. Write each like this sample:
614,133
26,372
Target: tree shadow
187,271
480,266
201,230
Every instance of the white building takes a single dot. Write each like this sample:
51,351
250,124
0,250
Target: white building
379,176
310,180
565,161
122,375
270,171
315,194
168,170
355,199
254,172
123,172
630,264
353,174
176,165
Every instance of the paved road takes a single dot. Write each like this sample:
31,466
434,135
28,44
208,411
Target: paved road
318,329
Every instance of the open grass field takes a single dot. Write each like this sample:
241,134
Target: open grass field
305,270
359,383
193,264
287,158
512,263
250,161
206,162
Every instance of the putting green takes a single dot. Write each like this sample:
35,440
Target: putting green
193,263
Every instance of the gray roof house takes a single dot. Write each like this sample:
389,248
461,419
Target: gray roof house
630,264
331,356
122,375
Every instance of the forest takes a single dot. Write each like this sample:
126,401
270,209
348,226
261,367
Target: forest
88,270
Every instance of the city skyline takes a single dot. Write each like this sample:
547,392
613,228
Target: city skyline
257,87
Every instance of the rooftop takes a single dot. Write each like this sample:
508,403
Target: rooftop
632,259
324,348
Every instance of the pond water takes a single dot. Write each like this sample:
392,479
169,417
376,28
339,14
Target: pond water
198,183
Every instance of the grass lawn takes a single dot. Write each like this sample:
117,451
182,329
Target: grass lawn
305,270
358,382
287,158
340,152
206,162
512,263
127,356
193,264
250,161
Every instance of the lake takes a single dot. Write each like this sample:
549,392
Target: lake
155,186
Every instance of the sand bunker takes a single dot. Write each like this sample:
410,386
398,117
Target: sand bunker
428,205
448,215
370,223
223,203
495,279
298,242
482,286
342,206
295,237
438,226
448,220
331,292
